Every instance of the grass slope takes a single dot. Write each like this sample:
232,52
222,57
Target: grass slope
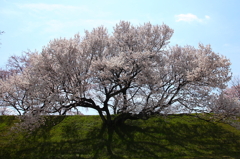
85,137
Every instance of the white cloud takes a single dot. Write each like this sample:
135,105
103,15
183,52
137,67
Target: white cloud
190,18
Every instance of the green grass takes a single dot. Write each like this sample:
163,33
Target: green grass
85,137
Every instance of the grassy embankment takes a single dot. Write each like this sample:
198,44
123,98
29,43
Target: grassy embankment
158,137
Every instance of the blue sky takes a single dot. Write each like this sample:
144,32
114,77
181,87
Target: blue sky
30,25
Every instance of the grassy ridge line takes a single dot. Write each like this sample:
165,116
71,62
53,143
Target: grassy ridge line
84,137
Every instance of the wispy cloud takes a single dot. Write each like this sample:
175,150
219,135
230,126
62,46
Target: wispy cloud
190,18
207,17
56,20
53,18
9,12
61,12
59,26
51,7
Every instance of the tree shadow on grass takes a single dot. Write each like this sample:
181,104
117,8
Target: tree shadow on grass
159,139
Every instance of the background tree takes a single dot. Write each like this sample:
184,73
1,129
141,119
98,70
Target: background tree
132,72
234,90
225,105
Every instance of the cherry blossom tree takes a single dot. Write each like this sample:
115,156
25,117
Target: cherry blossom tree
229,99
234,90
12,86
225,105
132,72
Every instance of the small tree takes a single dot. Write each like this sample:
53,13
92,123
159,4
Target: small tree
234,90
226,104
132,72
